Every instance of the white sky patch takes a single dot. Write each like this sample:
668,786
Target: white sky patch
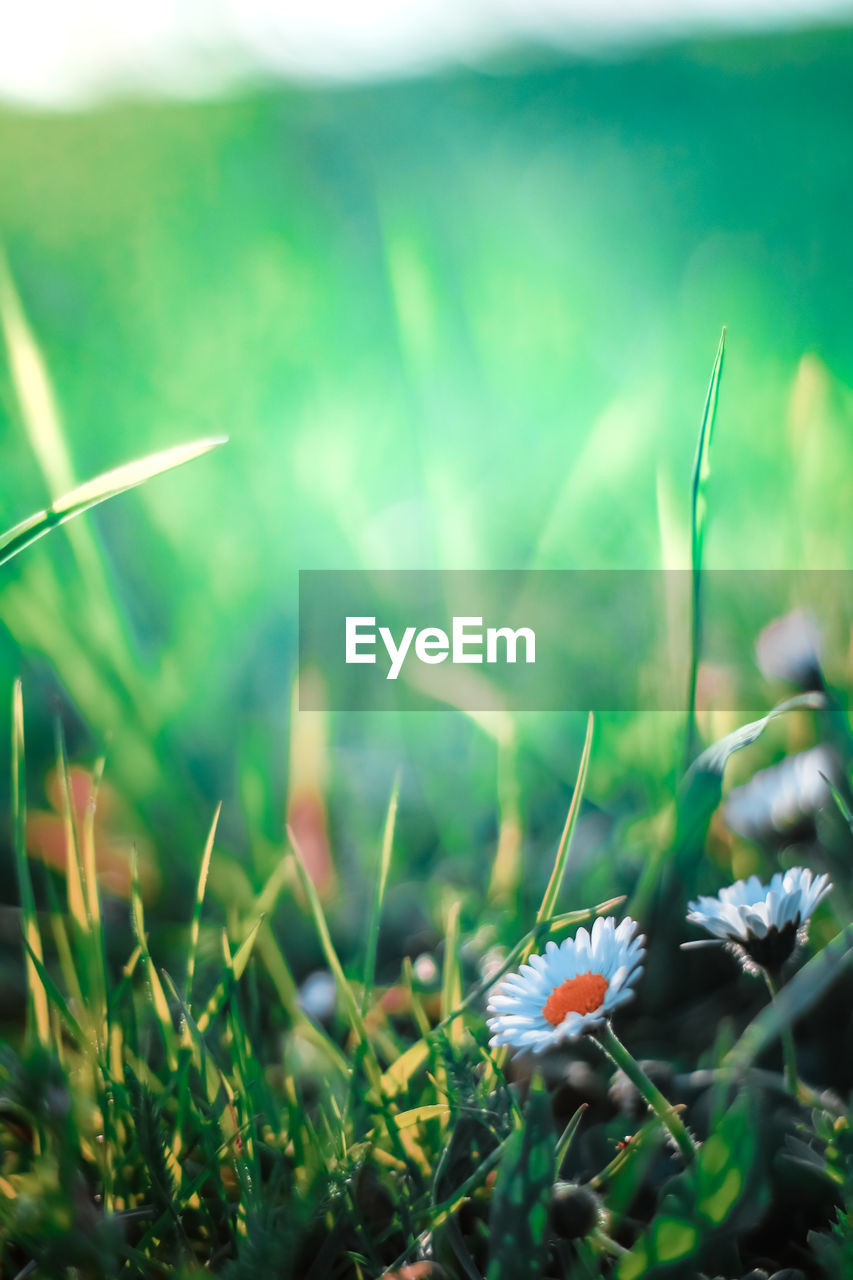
63,51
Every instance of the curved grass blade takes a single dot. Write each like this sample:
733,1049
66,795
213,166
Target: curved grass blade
702,785
549,901
349,1004
698,521
93,492
379,896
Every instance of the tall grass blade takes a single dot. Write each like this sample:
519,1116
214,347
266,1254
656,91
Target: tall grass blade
158,996
195,926
235,968
698,523
74,881
56,997
39,1013
549,901
83,898
506,868
349,1003
32,388
451,981
379,896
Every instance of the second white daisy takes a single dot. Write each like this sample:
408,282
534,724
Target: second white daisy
570,989
763,923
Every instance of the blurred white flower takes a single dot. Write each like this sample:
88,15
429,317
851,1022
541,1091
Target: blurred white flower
318,995
777,800
570,989
789,649
762,923
425,969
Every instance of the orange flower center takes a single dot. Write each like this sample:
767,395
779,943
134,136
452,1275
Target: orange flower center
583,994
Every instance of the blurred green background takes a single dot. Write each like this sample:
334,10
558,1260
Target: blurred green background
462,321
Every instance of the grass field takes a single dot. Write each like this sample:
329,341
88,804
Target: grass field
247,952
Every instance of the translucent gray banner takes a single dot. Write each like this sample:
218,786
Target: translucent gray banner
569,640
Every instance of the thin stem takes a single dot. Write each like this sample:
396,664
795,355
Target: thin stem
789,1051
665,1112
607,1244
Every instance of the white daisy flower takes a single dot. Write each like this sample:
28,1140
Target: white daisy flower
789,649
783,799
762,923
570,989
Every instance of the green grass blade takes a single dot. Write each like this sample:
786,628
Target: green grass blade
93,492
33,391
698,522
39,1014
195,925
379,896
568,1135
549,901
350,1006
714,758
55,996
507,868
235,967
158,997
451,979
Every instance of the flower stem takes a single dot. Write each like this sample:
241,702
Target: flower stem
607,1244
665,1112
789,1051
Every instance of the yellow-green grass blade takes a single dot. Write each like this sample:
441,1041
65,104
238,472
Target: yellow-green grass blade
195,925
349,1003
90,869
32,388
93,492
158,997
698,525
379,896
549,900
56,998
506,872
39,1022
236,967
83,901
451,979
74,882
